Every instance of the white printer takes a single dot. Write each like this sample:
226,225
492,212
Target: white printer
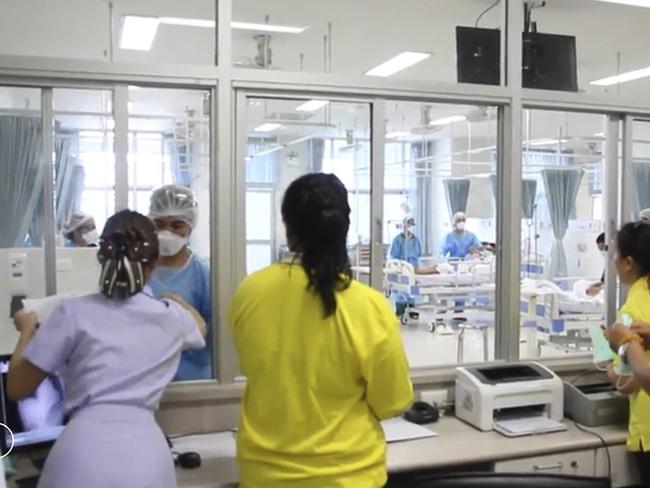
514,399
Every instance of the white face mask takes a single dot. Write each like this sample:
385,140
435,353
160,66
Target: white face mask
170,243
411,229
460,225
91,237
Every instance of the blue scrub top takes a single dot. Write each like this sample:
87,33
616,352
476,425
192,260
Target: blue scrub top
458,245
192,283
408,250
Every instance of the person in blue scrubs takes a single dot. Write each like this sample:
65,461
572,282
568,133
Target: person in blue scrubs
460,242
406,246
174,211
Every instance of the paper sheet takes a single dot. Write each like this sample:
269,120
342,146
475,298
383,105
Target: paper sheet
398,429
43,307
516,427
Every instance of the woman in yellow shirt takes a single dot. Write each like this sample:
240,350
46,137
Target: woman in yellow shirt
322,355
633,268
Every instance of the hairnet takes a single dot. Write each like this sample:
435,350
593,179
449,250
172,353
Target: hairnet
458,216
174,201
77,220
645,214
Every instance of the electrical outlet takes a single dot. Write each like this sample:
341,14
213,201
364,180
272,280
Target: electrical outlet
434,397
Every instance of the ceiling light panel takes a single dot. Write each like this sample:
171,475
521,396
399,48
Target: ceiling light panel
398,63
138,32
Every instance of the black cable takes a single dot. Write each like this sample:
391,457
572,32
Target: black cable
485,12
602,441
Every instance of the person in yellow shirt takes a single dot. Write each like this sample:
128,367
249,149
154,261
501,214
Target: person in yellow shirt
322,356
633,268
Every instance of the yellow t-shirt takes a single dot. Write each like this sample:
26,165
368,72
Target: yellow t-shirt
316,387
637,306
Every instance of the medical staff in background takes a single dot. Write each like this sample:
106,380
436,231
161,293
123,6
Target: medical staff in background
174,211
460,242
80,231
406,246
595,288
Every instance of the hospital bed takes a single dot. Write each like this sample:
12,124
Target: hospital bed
463,291
563,315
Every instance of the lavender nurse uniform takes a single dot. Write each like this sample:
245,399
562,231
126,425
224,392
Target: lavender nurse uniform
115,358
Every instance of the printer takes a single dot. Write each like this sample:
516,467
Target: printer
595,403
514,398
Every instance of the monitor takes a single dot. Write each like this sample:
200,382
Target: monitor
34,420
478,55
549,62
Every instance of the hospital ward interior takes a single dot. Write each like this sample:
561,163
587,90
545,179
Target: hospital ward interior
496,158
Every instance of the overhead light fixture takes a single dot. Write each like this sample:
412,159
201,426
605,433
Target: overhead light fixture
210,24
633,3
138,32
312,105
187,22
134,87
283,29
623,78
447,120
398,63
397,134
267,127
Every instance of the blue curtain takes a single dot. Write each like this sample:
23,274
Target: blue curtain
21,177
528,196
641,173
457,193
562,187
423,193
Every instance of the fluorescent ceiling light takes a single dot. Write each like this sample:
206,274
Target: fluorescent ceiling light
267,127
398,63
134,87
623,78
311,105
138,32
635,3
396,134
187,22
284,29
448,120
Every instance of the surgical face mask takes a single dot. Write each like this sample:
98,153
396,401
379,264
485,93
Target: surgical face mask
460,225
170,243
90,237
411,229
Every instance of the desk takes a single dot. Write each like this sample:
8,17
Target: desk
458,444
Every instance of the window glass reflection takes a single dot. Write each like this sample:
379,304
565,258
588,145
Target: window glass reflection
439,221
563,245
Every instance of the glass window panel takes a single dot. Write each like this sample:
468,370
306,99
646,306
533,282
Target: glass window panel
332,138
85,161
258,216
441,149
563,167
640,169
356,42
170,144
160,31
21,220
258,256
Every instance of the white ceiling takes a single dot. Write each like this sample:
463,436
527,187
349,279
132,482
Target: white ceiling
610,37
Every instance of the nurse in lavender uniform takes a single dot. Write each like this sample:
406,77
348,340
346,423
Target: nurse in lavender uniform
115,351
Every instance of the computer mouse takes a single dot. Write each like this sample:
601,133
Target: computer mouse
189,460
422,413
